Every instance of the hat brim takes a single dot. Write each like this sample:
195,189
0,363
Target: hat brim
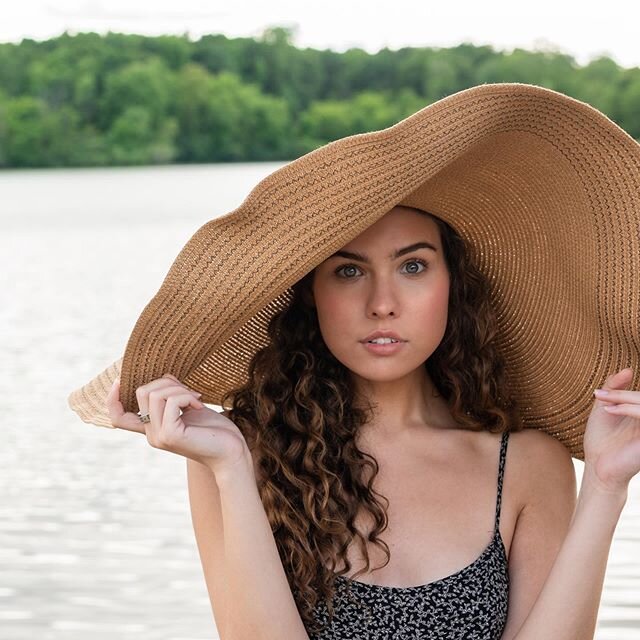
544,188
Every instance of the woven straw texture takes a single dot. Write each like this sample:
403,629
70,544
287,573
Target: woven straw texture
545,188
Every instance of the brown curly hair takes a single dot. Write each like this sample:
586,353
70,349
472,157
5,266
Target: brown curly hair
299,416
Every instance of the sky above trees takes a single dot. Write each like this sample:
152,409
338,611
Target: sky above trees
584,29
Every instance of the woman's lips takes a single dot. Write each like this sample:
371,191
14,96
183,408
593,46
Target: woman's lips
383,349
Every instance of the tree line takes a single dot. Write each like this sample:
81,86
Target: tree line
116,99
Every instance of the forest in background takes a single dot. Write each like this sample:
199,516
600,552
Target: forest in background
104,100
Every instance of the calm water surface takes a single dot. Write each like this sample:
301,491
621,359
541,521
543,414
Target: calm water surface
95,532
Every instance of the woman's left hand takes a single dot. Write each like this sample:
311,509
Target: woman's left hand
612,434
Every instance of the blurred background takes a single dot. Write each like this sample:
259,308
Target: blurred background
125,126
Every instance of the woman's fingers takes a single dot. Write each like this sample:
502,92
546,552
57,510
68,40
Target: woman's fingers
615,395
142,392
119,418
172,426
632,410
157,399
131,421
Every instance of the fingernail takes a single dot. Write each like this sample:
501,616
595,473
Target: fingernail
116,381
601,392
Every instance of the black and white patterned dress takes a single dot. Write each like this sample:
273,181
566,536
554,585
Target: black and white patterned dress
470,604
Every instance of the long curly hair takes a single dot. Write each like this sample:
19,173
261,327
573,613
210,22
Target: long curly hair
299,414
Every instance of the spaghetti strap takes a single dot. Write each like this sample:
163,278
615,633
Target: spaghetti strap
503,455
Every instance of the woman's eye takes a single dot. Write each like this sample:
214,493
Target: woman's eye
341,271
347,270
413,262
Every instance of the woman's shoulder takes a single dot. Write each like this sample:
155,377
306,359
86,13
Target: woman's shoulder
538,446
538,463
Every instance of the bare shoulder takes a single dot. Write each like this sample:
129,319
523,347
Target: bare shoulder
540,463
536,443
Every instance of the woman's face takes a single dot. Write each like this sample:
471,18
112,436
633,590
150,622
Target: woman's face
407,294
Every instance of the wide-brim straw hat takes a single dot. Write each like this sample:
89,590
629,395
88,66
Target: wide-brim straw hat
544,188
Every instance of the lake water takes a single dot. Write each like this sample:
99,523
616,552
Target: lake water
95,531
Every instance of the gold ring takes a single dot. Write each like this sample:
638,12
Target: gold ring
144,418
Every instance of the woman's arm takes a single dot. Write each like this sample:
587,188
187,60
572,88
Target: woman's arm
256,601
568,604
206,517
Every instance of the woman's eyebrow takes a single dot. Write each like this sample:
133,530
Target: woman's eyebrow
396,254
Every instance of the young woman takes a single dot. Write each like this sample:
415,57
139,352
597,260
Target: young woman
405,329
385,462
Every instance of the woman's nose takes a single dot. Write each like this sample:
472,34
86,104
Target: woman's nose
382,300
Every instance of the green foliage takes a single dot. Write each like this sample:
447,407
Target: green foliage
97,100
327,120
148,84
137,136
29,129
221,117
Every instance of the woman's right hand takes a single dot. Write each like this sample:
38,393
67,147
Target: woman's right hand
180,423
